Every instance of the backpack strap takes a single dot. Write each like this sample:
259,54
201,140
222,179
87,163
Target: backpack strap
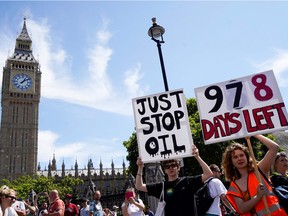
161,198
207,181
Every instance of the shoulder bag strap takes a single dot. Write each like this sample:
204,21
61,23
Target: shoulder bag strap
265,177
162,193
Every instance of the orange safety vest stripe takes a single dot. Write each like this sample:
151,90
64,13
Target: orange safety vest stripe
272,200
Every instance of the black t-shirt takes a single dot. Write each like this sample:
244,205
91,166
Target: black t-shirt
178,194
278,180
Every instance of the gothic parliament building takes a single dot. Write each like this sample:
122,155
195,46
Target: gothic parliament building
21,91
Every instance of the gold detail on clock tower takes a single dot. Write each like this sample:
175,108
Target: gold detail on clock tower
20,110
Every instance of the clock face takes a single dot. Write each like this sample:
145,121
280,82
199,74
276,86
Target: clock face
22,81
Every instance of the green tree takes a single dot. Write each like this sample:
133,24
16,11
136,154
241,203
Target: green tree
210,153
132,149
25,184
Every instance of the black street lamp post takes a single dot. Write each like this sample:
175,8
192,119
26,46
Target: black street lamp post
156,33
153,171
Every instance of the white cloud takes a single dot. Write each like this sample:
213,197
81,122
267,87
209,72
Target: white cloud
132,77
6,45
78,151
98,90
279,64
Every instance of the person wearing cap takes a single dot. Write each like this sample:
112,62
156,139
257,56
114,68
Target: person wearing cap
115,210
84,211
178,191
70,208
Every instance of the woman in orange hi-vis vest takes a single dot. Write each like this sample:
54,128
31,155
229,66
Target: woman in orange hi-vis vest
246,193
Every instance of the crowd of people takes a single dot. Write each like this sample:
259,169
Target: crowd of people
54,206
249,193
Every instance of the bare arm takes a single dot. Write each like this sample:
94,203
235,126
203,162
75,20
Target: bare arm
139,204
21,212
125,208
32,209
267,161
227,203
246,206
58,213
207,173
36,201
139,181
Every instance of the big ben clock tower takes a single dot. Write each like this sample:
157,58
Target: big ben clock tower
20,109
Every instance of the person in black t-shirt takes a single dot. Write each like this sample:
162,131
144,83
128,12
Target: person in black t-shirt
178,191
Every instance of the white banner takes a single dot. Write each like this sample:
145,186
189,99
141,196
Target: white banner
241,107
162,126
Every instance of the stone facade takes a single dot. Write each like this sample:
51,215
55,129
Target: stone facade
112,182
20,109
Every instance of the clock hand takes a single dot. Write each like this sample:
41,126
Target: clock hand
23,80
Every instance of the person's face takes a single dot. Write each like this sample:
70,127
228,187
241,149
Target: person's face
97,196
67,201
171,168
217,172
281,164
9,199
44,206
239,159
52,196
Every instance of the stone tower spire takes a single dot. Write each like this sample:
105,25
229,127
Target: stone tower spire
20,110
54,165
76,169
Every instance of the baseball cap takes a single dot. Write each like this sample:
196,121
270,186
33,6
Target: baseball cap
68,196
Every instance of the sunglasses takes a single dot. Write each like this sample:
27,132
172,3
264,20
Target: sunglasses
168,166
280,154
11,197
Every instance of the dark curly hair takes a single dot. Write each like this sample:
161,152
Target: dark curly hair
231,172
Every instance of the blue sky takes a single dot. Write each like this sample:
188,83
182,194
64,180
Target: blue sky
96,56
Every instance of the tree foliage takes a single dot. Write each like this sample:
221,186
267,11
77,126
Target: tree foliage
24,185
132,148
209,153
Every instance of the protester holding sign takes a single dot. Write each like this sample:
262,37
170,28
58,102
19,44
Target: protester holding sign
178,191
248,194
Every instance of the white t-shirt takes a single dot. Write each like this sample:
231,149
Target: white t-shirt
216,188
85,211
8,212
133,210
19,205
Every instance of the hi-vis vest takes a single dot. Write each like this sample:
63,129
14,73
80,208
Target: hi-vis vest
272,201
